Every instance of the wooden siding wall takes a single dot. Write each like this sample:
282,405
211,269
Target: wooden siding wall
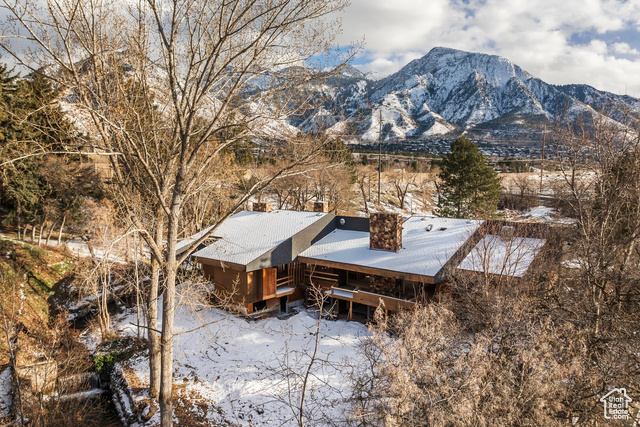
297,295
269,277
259,285
248,283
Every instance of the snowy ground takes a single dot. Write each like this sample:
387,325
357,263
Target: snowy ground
244,372
543,214
546,214
81,249
76,246
5,393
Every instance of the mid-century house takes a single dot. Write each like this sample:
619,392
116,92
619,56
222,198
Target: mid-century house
271,258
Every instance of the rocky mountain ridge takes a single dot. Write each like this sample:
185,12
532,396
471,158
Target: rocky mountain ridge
449,91
441,95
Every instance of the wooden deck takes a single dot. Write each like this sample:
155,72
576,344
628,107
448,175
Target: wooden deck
322,278
369,298
353,291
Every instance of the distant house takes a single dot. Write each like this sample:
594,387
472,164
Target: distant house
270,258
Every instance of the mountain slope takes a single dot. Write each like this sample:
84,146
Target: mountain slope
446,92
449,90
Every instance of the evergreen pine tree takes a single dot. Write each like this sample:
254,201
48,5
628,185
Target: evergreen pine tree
7,92
30,120
469,188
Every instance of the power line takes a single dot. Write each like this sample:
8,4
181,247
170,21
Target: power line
379,154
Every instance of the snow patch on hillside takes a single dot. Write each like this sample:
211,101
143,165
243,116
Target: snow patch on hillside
395,121
6,397
439,128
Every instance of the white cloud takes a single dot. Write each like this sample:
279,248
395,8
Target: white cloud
561,42
395,26
625,49
382,66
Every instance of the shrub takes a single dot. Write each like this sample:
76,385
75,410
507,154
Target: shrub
517,202
104,362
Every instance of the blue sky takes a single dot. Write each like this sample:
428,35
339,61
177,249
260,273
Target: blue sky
596,42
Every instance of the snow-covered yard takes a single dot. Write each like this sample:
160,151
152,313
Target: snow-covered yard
244,372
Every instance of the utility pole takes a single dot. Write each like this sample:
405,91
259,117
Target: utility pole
544,136
379,154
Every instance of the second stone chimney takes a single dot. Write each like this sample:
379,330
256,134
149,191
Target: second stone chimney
320,207
261,207
385,232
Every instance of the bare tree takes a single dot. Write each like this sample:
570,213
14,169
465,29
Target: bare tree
304,391
106,241
402,183
432,369
334,186
285,190
164,87
363,180
519,192
605,200
524,184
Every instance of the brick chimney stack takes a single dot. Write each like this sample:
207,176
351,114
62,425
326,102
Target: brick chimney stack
320,207
261,207
385,232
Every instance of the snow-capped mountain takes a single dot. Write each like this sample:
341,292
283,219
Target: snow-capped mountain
449,91
446,92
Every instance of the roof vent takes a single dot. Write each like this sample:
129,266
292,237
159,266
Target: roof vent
342,221
429,227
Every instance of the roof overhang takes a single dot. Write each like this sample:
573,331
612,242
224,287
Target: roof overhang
369,270
221,264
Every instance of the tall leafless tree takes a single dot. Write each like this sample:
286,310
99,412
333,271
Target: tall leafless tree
601,190
402,183
163,87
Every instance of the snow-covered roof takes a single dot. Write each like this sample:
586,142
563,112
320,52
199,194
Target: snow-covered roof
182,244
423,252
247,235
506,256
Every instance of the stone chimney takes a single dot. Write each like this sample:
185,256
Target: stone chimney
261,207
385,232
320,207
